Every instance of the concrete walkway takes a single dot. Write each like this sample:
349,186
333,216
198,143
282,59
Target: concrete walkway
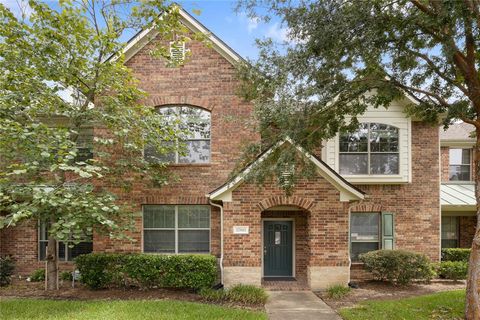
302,305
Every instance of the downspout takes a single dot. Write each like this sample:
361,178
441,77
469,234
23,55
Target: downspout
221,238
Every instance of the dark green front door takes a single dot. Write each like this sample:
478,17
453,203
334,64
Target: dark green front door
277,248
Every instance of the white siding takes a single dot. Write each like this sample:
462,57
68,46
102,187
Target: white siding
394,116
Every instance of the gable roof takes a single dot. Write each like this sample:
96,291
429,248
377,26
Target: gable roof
142,38
347,190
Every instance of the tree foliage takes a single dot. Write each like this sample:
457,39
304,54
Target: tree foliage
343,55
64,89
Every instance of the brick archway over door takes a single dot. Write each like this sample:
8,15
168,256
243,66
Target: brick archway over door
276,201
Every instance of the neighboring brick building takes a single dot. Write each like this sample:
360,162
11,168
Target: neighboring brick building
381,187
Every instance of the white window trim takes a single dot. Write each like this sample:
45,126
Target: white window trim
470,164
332,155
176,229
369,153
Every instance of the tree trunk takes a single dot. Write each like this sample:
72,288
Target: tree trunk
472,306
52,264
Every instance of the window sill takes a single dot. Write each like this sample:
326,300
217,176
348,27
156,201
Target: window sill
459,182
376,179
194,165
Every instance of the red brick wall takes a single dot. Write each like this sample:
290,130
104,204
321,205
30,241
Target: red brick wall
467,230
21,242
444,161
208,81
416,206
326,225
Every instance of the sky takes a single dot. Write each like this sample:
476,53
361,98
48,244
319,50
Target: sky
235,29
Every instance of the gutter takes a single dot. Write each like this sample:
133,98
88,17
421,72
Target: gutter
221,237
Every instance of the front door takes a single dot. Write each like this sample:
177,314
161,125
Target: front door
277,248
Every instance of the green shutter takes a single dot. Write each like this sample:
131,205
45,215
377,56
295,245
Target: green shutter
388,231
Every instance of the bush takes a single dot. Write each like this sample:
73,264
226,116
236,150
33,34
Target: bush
6,270
213,295
244,294
338,291
247,294
66,276
38,275
398,266
456,254
453,270
101,270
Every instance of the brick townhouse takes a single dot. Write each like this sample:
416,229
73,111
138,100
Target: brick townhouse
396,183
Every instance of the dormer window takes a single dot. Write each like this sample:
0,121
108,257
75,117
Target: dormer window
373,149
460,163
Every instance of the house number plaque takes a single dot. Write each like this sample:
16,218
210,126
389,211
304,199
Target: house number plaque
241,230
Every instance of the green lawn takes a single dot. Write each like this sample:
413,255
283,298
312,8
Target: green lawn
131,310
439,306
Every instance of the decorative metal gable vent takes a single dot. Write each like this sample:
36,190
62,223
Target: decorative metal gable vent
177,52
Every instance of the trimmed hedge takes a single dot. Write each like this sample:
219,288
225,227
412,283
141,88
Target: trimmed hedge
454,270
102,270
398,266
456,254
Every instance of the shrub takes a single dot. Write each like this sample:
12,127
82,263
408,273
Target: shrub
38,275
456,254
6,270
398,266
101,270
66,276
247,294
213,295
338,291
244,294
453,270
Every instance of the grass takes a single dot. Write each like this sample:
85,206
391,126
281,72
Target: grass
120,310
338,291
439,306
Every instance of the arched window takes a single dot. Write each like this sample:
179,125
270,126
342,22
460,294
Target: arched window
196,122
372,149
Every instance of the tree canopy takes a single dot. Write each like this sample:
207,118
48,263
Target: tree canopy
65,92
345,55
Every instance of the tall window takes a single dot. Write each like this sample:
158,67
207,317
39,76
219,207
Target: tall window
67,251
364,233
176,229
450,232
460,163
372,149
196,122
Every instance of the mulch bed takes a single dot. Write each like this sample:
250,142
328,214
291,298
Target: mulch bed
20,288
24,289
376,290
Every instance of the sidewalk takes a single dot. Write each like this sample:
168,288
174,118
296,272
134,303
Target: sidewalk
302,305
